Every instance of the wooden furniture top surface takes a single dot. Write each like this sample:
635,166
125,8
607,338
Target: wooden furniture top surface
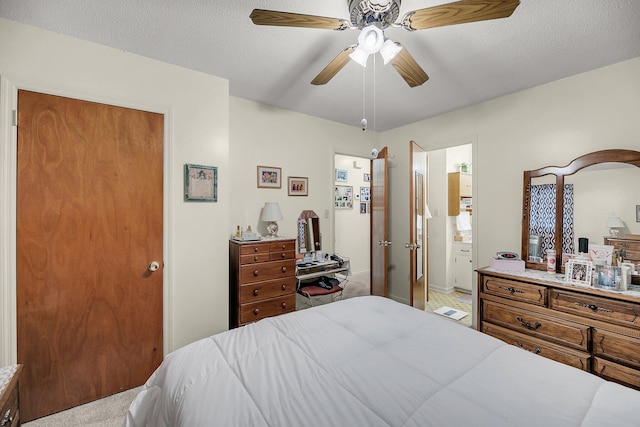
8,378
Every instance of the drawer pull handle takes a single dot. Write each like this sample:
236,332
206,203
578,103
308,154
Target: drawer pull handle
256,292
283,256
284,247
255,258
536,351
7,420
284,305
255,249
284,269
528,325
593,307
256,311
284,287
512,290
255,273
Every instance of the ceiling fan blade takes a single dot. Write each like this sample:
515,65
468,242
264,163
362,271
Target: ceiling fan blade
460,12
288,19
409,69
334,66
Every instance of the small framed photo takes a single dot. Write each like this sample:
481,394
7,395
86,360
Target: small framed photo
200,183
578,271
364,208
365,194
343,197
637,213
298,186
367,177
608,277
341,175
269,177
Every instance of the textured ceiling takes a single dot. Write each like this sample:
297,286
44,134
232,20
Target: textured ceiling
544,40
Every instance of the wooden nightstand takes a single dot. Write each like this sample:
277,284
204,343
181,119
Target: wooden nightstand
10,412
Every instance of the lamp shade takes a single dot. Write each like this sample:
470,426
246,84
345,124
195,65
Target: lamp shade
389,50
271,212
615,222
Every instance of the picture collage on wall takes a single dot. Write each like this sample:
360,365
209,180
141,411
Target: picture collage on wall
344,194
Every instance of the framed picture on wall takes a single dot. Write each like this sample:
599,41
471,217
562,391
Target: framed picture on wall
364,208
200,183
298,186
365,194
269,177
343,197
341,175
367,177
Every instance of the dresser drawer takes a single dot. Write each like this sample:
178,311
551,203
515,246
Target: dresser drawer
268,270
258,248
268,289
614,311
255,258
616,346
568,356
615,372
277,256
266,308
285,246
541,325
514,290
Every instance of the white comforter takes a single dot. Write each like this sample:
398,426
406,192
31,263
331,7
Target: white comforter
370,361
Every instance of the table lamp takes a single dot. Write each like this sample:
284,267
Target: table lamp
270,214
614,223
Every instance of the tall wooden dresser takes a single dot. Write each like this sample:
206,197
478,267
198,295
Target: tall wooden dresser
262,279
585,327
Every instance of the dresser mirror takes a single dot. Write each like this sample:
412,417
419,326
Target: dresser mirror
308,232
606,186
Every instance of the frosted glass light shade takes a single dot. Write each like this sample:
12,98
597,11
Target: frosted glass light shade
389,50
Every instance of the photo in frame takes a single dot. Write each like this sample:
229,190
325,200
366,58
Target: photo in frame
365,194
637,213
367,177
578,271
298,186
343,197
364,207
200,183
342,175
608,277
269,177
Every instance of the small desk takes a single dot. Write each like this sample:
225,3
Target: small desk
9,405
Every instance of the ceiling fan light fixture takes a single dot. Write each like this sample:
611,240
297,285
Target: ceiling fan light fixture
371,39
360,56
389,50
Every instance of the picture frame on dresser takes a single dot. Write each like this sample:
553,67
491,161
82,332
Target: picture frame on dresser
579,271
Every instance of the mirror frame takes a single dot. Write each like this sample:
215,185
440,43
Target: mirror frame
604,156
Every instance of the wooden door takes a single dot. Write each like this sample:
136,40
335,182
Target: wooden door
379,230
417,227
89,222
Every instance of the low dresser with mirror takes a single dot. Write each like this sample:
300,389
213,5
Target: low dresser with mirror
576,323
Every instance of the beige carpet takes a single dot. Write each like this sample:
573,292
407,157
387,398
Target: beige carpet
110,411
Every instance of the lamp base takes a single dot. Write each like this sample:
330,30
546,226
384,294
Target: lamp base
272,229
614,232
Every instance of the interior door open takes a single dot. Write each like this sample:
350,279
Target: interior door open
418,226
379,230
89,250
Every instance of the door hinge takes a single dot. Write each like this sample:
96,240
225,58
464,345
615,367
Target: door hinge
15,117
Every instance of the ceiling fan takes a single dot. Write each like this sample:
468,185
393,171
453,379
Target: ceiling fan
372,17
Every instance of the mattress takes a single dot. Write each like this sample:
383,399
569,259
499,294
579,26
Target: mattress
370,361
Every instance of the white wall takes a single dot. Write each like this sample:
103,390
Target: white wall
546,125
197,131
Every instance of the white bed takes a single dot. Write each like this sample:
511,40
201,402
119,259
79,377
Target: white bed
370,361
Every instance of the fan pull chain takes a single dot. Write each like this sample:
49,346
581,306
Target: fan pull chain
363,122
374,92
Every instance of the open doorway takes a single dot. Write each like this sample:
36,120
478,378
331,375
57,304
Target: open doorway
450,232
351,209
